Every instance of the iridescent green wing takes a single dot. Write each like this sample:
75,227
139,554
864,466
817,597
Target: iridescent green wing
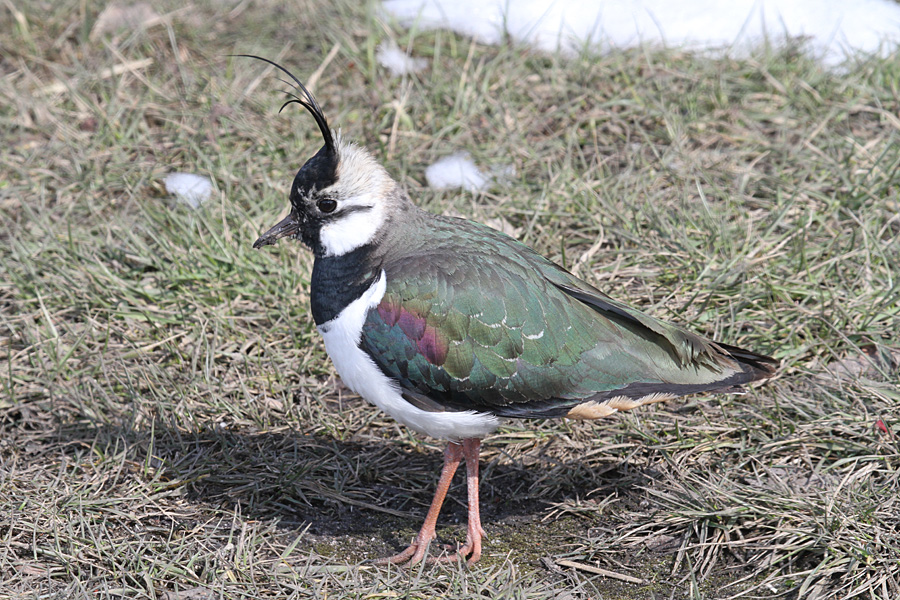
500,328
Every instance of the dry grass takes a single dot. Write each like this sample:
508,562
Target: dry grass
171,428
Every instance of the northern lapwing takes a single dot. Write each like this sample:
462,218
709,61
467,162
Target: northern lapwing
451,327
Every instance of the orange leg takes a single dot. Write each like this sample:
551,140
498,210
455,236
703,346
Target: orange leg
472,548
416,550
474,532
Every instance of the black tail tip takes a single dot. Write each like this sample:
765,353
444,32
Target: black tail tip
762,366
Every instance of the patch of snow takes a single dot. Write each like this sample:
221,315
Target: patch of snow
120,16
398,62
456,171
191,189
832,28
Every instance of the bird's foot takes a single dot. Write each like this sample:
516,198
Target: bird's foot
410,556
415,553
471,549
469,552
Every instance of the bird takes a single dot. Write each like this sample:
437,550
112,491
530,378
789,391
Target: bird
451,327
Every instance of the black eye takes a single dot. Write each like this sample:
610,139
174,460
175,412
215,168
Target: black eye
326,205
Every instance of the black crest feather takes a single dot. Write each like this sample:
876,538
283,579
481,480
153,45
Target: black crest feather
306,100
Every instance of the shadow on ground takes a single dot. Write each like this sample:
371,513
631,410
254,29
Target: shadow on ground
374,490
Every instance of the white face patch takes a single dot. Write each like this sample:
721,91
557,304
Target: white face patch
354,229
365,194
363,376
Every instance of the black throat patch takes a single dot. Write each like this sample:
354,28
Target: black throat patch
339,280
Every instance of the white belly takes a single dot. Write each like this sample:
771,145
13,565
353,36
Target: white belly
363,376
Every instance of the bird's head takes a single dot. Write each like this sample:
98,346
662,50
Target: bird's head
341,198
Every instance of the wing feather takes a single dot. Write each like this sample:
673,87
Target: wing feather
498,328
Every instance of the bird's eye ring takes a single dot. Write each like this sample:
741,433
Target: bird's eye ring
326,205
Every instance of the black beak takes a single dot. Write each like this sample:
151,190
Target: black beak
289,225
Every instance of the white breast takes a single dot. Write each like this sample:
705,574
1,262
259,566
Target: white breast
361,375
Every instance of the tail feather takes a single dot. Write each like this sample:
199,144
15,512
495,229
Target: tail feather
755,366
